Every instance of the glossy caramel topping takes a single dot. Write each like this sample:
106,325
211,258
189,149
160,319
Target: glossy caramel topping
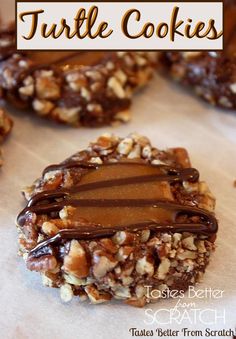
65,58
120,196
114,193
125,180
207,225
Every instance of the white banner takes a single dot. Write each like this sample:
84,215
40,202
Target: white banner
119,25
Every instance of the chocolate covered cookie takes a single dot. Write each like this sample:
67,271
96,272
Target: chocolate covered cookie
75,88
117,217
212,75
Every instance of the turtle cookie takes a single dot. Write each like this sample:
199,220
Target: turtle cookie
117,217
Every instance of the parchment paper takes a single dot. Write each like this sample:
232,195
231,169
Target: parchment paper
169,117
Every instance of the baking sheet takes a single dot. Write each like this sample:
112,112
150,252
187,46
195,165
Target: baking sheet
169,117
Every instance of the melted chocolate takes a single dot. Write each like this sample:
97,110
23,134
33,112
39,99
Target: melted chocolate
108,195
164,173
207,226
68,165
169,174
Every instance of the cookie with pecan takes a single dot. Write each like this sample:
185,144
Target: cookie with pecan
212,75
116,217
75,88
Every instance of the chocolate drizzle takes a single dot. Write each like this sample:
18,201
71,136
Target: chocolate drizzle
208,226
70,164
159,215
171,175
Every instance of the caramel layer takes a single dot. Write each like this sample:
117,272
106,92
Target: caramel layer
113,216
116,194
119,196
65,58
118,180
122,182
207,224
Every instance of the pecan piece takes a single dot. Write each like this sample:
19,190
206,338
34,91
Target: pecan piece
76,262
42,264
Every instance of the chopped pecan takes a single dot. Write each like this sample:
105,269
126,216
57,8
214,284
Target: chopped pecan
42,264
95,296
102,263
76,262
